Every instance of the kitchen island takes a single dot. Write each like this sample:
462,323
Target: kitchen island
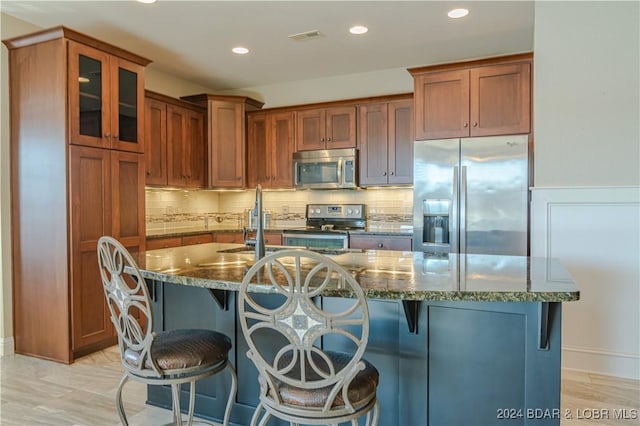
457,339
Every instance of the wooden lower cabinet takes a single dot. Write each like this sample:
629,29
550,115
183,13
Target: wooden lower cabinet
380,242
107,198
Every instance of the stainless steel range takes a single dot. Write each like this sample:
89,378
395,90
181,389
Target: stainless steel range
327,226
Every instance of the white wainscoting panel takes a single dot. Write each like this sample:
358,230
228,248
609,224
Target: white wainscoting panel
595,232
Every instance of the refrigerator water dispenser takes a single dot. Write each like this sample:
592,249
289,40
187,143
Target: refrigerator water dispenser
436,221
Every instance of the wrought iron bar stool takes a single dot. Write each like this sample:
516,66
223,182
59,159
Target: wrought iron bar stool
301,382
170,357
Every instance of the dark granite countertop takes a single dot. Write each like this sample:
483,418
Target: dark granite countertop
390,230
382,274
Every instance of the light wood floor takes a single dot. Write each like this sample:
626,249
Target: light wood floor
38,392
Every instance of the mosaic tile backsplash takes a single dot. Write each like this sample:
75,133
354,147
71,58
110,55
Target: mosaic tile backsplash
175,209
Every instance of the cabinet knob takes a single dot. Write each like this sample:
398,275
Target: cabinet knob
107,135
475,124
380,245
465,125
148,173
115,136
321,139
328,139
392,173
384,173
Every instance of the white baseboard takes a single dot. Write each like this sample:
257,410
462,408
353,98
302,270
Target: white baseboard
6,346
600,362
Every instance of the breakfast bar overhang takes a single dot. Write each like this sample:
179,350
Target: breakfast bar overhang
457,339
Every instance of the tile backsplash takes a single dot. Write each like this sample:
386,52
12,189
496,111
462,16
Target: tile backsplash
175,209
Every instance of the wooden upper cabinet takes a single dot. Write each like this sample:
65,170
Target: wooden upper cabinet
155,151
226,136
106,99
479,98
175,153
442,105
500,99
270,147
385,142
326,128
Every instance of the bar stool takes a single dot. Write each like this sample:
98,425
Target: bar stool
301,382
170,357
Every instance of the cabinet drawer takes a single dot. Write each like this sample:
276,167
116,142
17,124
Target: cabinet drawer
229,237
378,242
197,239
160,243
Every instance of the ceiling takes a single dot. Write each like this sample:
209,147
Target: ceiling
193,39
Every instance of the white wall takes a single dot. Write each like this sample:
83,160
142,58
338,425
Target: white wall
586,108
585,205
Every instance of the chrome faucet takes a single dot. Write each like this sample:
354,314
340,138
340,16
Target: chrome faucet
259,240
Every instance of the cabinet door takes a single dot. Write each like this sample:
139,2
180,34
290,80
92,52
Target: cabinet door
155,139
341,127
177,145
89,185
227,154
373,144
127,105
442,105
127,198
89,100
400,150
310,129
196,149
281,137
258,152
500,99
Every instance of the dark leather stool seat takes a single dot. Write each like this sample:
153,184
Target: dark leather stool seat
361,389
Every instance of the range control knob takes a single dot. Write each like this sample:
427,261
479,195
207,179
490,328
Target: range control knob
357,211
317,211
349,211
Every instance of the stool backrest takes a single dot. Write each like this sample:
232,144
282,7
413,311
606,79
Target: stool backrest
286,332
129,305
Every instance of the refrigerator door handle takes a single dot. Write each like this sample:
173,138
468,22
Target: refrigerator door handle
463,210
455,210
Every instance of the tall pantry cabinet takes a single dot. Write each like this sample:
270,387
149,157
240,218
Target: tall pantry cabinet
77,173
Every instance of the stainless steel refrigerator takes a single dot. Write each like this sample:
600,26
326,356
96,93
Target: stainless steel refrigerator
471,195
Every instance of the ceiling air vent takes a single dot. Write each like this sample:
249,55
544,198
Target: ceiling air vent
307,35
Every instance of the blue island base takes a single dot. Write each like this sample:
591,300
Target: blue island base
465,363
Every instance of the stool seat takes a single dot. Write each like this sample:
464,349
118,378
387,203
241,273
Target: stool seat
184,349
361,389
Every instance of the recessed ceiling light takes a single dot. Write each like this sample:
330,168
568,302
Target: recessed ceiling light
147,1
358,29
240,50
458,13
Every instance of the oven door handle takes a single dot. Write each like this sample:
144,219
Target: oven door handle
317,236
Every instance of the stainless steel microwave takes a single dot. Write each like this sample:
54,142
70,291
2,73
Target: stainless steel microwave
325,169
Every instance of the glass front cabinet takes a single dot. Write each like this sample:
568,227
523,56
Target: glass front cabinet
106,100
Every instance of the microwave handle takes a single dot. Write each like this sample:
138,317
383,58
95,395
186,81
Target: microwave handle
340,171
295,173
